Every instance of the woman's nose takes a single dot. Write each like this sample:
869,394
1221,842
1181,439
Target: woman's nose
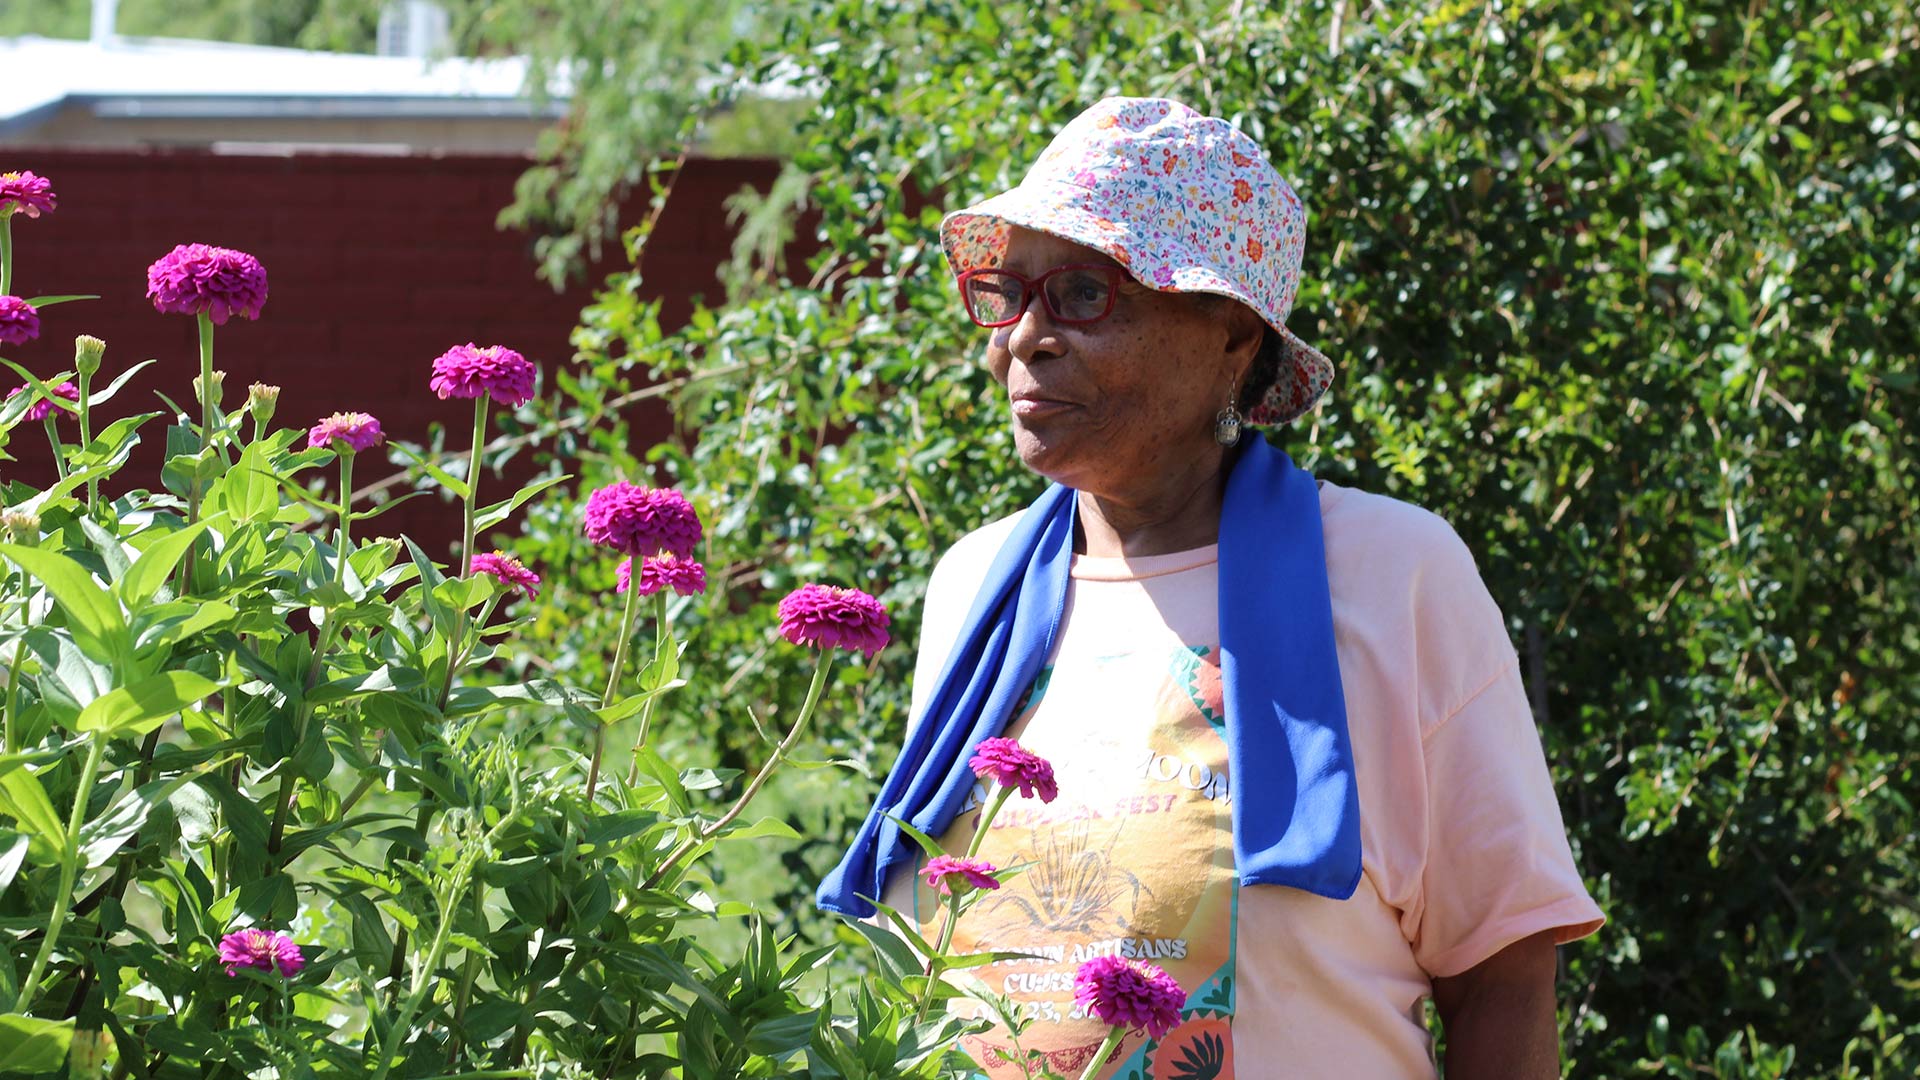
1035,335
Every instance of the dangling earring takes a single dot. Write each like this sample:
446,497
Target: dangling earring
1226,424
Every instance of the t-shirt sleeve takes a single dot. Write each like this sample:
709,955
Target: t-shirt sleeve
951,590
1498,866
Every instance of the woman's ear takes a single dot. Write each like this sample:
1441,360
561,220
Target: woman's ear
1246,330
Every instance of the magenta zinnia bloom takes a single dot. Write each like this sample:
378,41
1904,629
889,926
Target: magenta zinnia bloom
507,569
358,430
25,192
684,576
1007,763
642,521
830,617
195,279
266,950
1131,994
43,408
19,321
949,875
466,371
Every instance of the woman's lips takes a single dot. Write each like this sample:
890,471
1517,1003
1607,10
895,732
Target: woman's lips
1035,407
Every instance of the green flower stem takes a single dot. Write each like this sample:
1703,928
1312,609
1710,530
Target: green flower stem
467,514
6,254
1107,1047
613,677
473,483
206,381
53,440
759,780
328,631
468,972
86,434
998,799
69,868
423,975
994,802
13,690
939,953
661,624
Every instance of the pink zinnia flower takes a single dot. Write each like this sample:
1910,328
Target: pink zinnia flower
266,950
19,321
830,617
193,279
358,430
25,192
684,576
1131,994
948,875
1007,763
43,408
507,569
466,371
642,521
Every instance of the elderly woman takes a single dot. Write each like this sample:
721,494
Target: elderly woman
1296,764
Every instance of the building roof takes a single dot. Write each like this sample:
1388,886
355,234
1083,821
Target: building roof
127,77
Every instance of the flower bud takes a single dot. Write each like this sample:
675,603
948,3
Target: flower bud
20,523
87,351
219,385
261,401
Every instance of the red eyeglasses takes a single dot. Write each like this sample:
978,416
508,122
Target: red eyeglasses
1076,293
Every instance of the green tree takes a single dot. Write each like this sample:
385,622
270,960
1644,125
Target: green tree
339,25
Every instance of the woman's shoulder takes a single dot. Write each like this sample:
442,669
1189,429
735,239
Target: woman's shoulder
1376,533
968,558
1408,595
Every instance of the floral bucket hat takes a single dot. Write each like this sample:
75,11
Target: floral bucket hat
1185,202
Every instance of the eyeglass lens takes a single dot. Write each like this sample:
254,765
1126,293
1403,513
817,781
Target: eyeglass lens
997,297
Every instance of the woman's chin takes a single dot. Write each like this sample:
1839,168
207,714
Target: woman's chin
1048,452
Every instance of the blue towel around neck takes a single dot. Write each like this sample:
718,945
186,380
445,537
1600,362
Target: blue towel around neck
1296,808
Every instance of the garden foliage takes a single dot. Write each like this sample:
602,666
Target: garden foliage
270,805
1626,292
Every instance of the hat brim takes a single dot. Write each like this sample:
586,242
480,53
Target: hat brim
976,237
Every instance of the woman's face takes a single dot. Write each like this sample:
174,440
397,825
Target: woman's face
1118,406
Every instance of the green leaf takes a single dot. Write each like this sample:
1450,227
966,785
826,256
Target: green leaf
896,958
493,515
140,707
446,479
29,1044
250,491
156,564
91,610
13,855
765,827
39,390
103,836
100,397
64,298
23,799
172,629
655,766
927,843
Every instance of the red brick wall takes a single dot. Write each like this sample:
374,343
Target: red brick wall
375,266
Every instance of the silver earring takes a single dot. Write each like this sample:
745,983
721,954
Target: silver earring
1226,425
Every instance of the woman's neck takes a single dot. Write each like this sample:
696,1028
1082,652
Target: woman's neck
1177,516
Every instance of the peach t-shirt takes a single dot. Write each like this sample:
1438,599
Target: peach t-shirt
1463,849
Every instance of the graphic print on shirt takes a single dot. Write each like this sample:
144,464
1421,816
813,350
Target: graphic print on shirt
1134,858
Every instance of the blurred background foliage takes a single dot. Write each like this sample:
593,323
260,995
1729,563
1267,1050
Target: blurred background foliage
1626,292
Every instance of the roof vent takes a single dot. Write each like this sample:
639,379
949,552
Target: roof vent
417,28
